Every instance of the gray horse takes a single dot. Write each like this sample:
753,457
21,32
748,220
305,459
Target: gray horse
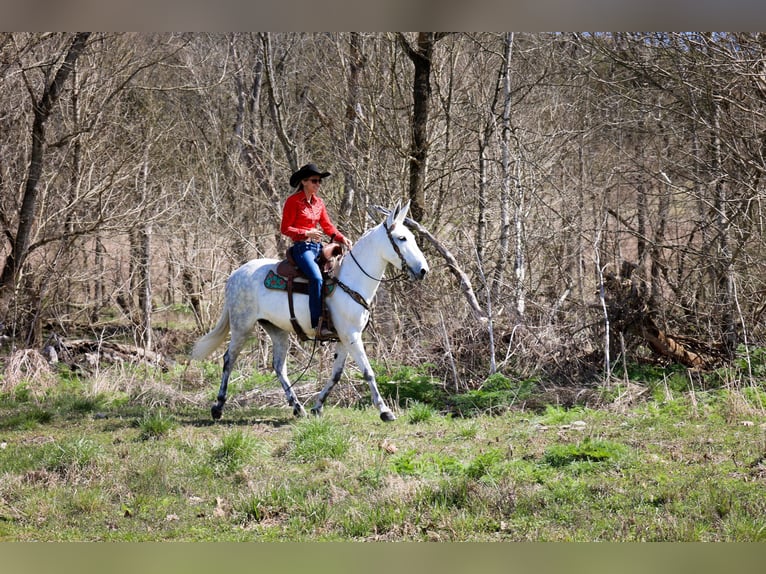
248,301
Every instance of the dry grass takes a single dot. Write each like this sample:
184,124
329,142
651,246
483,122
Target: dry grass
27,366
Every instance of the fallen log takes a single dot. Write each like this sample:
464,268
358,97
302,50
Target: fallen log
91,353
630,312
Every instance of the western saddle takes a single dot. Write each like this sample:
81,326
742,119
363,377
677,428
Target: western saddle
329,262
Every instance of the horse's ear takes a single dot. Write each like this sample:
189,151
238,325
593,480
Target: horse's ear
403,212
393,215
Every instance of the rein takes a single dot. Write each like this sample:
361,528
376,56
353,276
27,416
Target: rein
355,295
396,250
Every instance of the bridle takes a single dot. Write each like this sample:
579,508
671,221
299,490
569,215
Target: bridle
398,252
356,296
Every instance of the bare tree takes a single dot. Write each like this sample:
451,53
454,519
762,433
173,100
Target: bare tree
43,108
420,54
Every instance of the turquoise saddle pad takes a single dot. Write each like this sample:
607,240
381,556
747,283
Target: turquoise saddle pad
279,283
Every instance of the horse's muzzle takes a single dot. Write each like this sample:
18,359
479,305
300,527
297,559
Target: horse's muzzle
418,274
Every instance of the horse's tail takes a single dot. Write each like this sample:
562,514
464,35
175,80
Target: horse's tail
208,343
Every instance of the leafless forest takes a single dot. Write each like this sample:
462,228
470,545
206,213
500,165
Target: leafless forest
588,198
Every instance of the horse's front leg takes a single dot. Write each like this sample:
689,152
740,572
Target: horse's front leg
356,349
337,370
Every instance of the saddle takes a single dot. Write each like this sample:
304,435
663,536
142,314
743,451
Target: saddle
288,277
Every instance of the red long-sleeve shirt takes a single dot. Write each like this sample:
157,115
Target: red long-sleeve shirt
299,215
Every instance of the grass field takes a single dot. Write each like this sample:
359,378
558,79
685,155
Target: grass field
132,455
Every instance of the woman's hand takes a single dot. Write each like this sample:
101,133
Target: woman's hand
314,235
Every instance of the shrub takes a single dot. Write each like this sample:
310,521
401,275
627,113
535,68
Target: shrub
497,394
411,384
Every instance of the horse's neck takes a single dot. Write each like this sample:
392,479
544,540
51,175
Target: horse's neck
367,253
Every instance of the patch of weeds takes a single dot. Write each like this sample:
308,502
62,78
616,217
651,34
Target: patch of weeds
70,456
496,395
587,450
646,373
315,510
78,405
410,384
752,360
149,480
755,396
26,419
485,464
155,425
318,438
371,477
22,393
405,463
274,502
468,430
420,413
557,415
371,519
86,502
448,493
211,372
234,452
411,463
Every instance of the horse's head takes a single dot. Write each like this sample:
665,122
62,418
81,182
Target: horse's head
406,255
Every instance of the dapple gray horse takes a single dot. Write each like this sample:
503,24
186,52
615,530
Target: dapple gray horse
248,301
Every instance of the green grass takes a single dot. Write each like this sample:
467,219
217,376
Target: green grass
76,464
155,425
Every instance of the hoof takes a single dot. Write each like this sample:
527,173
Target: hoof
387,416
216,411
299,411
317,412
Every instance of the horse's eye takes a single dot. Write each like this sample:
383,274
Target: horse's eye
402,238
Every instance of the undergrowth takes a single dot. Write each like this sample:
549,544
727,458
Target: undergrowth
104,459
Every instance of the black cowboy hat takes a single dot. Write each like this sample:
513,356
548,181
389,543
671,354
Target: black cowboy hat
304,172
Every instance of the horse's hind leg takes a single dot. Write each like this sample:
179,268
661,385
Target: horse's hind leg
281,344
229,358
337,370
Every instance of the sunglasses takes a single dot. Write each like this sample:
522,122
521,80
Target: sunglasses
316,181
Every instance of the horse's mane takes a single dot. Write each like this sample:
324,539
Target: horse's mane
368,232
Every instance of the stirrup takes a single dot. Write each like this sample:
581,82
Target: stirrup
324,333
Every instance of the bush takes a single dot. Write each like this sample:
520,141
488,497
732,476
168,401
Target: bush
410,384
496,395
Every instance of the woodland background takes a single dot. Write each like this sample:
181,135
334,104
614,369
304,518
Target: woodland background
592,199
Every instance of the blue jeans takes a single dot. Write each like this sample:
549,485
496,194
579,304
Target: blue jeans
305,254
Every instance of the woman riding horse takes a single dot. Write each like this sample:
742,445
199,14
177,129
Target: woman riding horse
304,219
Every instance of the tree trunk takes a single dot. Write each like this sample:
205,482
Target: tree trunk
505,183
42,111
288,146
421,101
353,105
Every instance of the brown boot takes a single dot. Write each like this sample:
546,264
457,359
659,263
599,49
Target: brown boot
324,333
